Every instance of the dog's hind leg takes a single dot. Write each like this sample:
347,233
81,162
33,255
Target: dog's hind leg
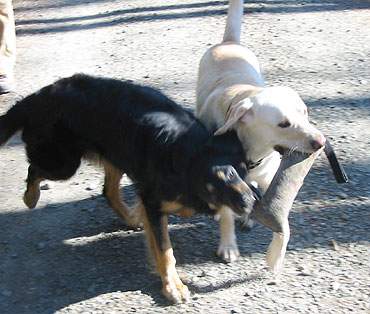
111,192
32,193
48,161
156,230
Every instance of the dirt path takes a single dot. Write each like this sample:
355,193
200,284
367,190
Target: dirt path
73,255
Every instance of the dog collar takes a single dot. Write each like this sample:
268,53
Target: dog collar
251,164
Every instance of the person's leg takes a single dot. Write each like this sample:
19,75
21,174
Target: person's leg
7,46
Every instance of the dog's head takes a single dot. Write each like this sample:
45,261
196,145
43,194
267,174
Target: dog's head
220,170
274,118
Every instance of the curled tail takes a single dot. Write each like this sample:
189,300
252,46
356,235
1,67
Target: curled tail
11,122
234,21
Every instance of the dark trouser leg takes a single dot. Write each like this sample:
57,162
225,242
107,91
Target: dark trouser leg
7,46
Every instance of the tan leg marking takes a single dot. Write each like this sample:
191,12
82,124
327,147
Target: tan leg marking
186,212
173,288
111,191
170,207
176,208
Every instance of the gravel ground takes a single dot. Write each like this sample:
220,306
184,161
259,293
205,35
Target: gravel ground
73,255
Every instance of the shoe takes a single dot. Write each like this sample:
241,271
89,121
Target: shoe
6,84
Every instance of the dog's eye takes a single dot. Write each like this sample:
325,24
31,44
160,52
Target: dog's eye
230,175
284,124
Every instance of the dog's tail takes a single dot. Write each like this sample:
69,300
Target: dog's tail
12,121
234,21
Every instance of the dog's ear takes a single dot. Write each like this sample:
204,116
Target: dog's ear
237,112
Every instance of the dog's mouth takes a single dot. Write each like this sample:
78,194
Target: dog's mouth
256,193
281,149
285,150
246,203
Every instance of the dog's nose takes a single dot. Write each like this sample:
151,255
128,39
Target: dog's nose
317,143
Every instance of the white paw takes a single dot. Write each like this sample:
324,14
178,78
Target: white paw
176,293
229,253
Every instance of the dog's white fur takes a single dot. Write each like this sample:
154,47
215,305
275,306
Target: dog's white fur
231,94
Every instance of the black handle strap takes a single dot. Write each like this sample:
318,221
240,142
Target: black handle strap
339,173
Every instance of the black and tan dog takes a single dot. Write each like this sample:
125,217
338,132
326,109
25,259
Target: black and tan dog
177,165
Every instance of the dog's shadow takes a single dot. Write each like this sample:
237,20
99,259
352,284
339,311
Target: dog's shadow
68,252
64,253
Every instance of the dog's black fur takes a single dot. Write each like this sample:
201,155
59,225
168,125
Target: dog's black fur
158,144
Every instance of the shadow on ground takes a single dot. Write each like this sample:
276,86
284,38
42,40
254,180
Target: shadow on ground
157,13
354,103
68,252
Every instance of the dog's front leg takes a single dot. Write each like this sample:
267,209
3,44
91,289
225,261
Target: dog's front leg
228,248
156,229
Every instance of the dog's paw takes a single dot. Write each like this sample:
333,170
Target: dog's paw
246,224
176,293
31,197
229,253
135,220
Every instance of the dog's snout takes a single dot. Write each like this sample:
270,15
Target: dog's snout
316,145
318,142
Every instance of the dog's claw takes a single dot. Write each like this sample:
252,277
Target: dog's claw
228,253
